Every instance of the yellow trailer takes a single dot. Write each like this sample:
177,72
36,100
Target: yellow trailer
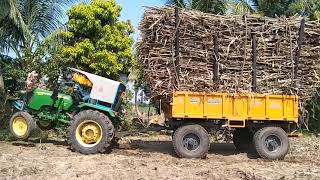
260,122
236,108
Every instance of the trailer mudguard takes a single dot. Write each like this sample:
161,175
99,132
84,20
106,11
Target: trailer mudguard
98,107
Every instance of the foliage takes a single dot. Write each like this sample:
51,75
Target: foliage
208,6
2,99
5,135
274,8
179,3
313,109
271,8
96,41
309,8
27,30
241,7
24,23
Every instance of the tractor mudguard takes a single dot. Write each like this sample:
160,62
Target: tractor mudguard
98,107
18,104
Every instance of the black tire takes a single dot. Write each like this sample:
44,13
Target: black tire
45,125
21,133
242,139
193,135
106,136
271,143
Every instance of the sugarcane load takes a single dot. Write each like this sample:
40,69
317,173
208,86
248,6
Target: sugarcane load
194,51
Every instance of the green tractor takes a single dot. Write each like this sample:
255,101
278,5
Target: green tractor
90,111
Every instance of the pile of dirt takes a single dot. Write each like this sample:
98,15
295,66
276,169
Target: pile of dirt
282,66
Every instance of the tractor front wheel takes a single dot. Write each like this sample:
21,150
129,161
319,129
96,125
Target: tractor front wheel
21,125
90,132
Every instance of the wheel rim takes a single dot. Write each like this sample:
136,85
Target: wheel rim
20,126
191,142
272,143
89,133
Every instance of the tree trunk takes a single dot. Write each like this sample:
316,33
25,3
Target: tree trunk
2,92
1,81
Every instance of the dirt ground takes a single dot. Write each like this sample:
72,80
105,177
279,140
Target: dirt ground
152,157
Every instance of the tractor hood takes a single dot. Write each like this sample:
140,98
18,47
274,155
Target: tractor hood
103,89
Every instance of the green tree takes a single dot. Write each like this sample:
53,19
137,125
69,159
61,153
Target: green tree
96,41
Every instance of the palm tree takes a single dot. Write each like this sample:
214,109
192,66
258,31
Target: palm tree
25,23
179,3
242,6
26,26
269,8
207,6
1,82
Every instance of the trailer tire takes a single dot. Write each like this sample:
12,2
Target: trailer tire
90,132
271,143
191,141
242,139
22,125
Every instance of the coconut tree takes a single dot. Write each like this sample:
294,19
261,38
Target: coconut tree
310,8
208,6
25,25
179,3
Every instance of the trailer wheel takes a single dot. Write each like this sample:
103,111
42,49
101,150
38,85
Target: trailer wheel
271,143
191,141
90,132
242,139
21,125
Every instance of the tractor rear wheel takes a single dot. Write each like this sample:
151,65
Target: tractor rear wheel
90,132
21,125
191,141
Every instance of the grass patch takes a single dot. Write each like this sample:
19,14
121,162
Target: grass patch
5,135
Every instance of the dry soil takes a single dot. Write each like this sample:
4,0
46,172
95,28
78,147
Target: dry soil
152,157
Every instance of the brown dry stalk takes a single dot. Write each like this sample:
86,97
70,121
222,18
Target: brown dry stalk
277,46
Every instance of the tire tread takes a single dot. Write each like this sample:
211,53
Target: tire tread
72,141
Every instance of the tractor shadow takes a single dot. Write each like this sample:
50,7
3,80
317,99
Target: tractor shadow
165,147
35,142
23,144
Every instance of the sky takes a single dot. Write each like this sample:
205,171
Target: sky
133,10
